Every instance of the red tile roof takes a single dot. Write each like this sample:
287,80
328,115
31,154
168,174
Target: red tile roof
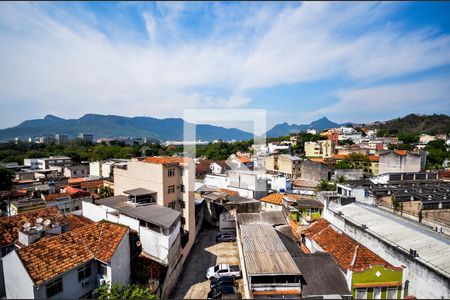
54,256
56,196
76,180
229,192
10,226
374,158
76,221
244,160
401,152
340,156
277,198
163,160
75,192
349,254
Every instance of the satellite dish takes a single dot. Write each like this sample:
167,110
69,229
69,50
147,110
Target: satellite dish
39,220
47,222
39,227
26,226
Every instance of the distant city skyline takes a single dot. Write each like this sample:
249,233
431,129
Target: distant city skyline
357,62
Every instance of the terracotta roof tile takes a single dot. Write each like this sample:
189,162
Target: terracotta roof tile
229,192
56,196
54,256
349,254
277,198
76,221
10,226
244,160
374,158
75,192
162,160
401,152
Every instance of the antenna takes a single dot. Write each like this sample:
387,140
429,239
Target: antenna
47,222
39,220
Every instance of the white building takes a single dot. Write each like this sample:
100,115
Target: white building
69,265
47,163
249,184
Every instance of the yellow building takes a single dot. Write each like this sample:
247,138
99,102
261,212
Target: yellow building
324,149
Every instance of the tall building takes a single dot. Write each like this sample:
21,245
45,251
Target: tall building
172,179
87,137
61,139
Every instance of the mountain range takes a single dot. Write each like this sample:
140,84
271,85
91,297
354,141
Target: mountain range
111,126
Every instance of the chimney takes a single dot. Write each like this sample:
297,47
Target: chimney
29,234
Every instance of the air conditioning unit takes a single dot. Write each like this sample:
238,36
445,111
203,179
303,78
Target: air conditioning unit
101,281
85,283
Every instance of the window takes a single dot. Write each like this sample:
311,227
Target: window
182,188
77,208
171,189
102,269
391,293
172,205
54,287
171,172
84,272
361,294
376,293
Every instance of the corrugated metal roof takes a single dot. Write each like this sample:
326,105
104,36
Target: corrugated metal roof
264,217
431,247
322,275
264,252
153,213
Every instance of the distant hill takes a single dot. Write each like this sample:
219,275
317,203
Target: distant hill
117,126
286,129
414,123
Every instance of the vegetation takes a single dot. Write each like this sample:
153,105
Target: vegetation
222,150
6,178
325,185
121,291
105,192
437,153
417,124
354,161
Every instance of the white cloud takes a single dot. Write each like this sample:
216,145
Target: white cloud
65,65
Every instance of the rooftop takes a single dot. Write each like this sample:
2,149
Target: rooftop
164,160
139,192
54,256
56,196
264,217
321,274
153,213
10,226
349,254
432,248
277,198
264,252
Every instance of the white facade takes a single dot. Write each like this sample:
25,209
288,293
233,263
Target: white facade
153,243
279,183
19,284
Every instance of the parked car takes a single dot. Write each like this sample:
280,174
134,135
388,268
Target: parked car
225,291
226,237
221,281
223,270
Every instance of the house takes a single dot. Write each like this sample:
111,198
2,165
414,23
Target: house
172,181
105,168
274,201
11,226
322,148
400,161
422,252
368,275
205,166
249,184
301,210
157,227
284,164
76,171
68,265
240,162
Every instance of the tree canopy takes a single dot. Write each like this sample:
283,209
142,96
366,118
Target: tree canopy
120,291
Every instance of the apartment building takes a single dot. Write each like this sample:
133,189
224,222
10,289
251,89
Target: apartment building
400,161
172,181
324,148
47,163
284,164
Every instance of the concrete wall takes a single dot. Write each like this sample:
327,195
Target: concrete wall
424,282
314,171
394,163
119,266
270,207
95,168
18,283
349,174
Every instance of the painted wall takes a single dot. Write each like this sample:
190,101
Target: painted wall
119,266
370,277
18,283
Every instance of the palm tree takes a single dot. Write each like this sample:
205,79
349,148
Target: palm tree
105,192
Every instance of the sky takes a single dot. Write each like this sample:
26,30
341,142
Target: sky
355,61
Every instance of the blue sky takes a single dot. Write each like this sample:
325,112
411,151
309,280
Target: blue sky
357,62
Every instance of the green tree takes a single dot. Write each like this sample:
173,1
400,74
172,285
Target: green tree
437,153
6,177
325,185
105,192
120,291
